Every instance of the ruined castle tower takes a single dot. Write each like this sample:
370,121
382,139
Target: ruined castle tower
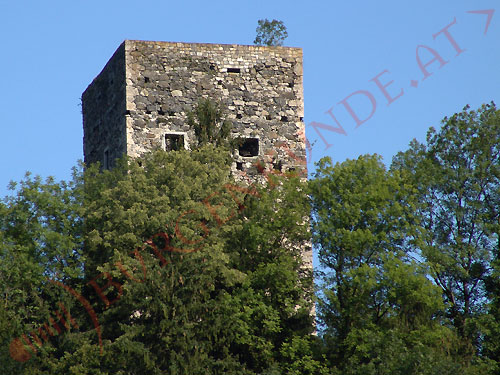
141,98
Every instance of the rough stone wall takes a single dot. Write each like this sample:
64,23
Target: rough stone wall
103,109
260,87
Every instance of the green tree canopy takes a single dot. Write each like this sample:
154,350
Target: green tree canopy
457,173
40,240
166,265
187,272
377,305
270,33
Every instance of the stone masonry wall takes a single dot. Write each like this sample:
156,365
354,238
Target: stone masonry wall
103,108
260,88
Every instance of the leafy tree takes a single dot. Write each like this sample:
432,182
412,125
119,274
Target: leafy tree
210,127
270,33
187,272
273,234
40,239
458,177
379,311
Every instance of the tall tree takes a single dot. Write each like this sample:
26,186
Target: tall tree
458,177
186,272
40,240
379,311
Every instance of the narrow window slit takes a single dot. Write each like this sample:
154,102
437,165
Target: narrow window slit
105,162
278,166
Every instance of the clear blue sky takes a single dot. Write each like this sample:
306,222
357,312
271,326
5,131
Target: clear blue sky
52,50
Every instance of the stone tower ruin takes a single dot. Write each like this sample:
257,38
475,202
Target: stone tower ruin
141,98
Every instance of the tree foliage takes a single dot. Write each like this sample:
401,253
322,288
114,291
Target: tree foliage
210,126
187,272
270,33
377,304
410,255
40,240
458,177
221,290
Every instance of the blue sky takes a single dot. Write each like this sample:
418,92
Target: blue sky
52,50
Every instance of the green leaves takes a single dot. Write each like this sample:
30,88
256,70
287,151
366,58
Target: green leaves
360,208
270,33
40,238
187,272
373,293
458,179
209,125
190,273
383,236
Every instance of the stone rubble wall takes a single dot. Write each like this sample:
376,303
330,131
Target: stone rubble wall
103,109
264,100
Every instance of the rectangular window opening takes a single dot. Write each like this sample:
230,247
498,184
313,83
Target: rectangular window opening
105,162
233,70
249,147
278,166
174,142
